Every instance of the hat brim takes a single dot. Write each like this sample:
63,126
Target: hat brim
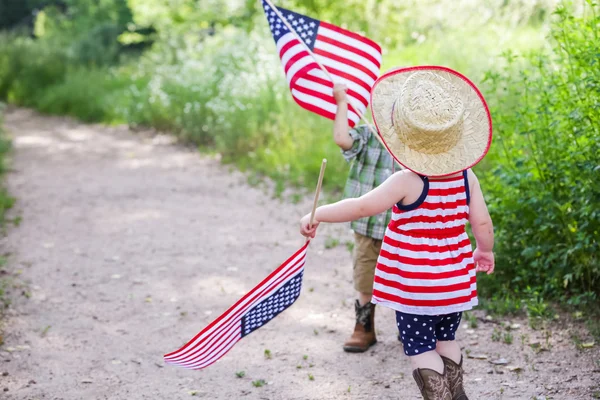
473,144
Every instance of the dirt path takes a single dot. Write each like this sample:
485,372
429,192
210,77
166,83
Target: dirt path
130,245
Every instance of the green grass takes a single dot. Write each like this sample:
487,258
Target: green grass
259,383
331,242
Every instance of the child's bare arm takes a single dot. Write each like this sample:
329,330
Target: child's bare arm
341,136
375,202
482,227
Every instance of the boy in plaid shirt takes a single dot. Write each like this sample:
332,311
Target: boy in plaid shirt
371,166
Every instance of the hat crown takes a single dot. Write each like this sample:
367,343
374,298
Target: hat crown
430,113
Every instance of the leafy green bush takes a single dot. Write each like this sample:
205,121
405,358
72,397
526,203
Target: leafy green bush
544,167
27,68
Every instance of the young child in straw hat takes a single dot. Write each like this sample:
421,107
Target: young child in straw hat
436,123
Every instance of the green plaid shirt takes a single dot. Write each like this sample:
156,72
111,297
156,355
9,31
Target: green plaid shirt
371,166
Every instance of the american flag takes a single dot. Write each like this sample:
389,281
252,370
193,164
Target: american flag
273,295
348,57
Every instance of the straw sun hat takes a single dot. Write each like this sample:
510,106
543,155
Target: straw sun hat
433,120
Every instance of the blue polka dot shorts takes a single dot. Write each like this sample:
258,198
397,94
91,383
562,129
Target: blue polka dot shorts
419,333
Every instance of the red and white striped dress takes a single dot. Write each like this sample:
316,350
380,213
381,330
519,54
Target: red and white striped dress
426,262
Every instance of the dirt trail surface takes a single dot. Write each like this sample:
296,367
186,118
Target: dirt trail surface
130,244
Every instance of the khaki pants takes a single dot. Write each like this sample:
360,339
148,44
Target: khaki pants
366,252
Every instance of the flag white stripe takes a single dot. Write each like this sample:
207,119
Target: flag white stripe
248,302
297,66
327,62
224,340
309,83
351,85
317,102
347,55
291,52
283,40
350,42
316,86
216,355
327,90
352,116
210,346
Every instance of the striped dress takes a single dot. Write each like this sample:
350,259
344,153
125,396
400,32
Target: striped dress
426,262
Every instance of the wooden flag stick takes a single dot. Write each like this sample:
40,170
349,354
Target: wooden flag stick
319,183
356,109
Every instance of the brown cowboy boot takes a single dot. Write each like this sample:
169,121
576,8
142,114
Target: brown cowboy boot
432,384
364,330
454,375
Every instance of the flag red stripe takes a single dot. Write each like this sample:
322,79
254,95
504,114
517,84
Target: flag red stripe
225,349
350,92
302,73
288,46
314,93
328,83
345,46
297,57
322,96
212,342
246,296
205,354
319,80
320,111
217,356
424,303
349,77
352,35
314,108
343,60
